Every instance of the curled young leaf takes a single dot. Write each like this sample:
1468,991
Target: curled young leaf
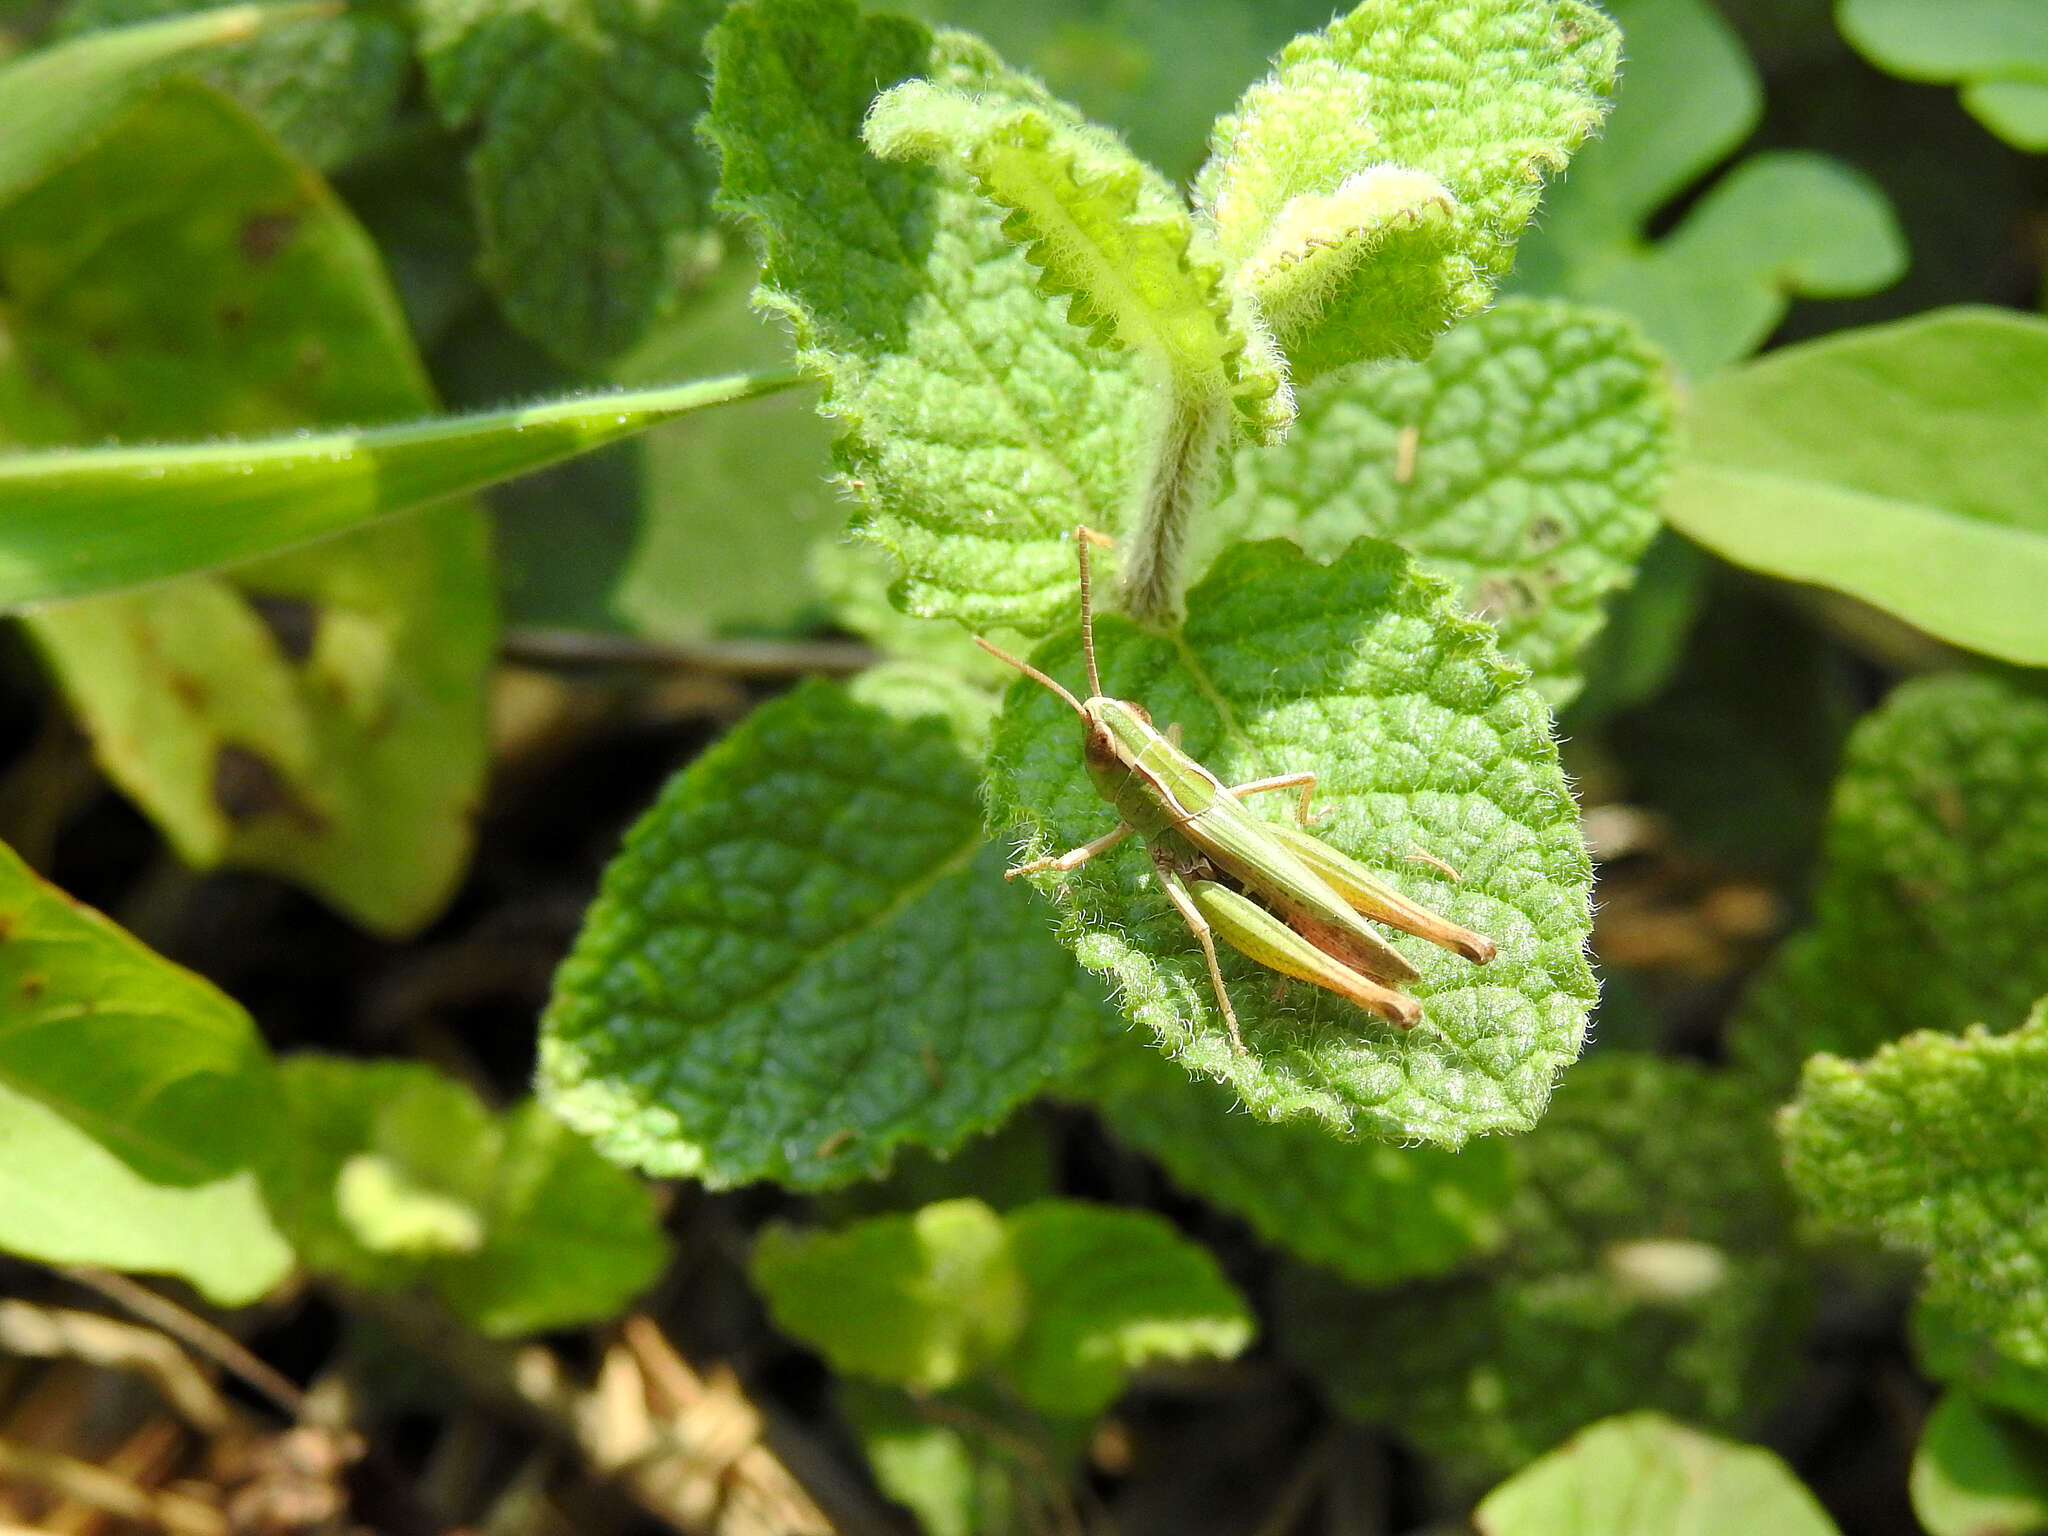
1369,192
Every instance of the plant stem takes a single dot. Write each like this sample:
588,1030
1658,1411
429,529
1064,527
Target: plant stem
1183,477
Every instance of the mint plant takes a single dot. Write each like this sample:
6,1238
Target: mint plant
1876,1146
1415,409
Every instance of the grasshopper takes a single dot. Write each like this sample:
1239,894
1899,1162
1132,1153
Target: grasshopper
1275,893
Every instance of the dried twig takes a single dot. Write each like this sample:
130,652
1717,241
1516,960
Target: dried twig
84,1483
726,658
54,1332
222,1348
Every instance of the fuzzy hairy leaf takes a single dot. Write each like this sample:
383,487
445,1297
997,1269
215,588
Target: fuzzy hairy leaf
981,425
1779,225
1979,1472
591,189
1645,1475
1369,192
1934,873
395,1176
328,86
1996,50
1642,1267
125,1086
319,714
1058,1300
1901,464
1933,1146
805,956
1102,227
1522,461
1374,1214
1363,671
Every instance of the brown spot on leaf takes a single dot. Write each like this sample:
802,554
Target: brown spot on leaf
293,623
1545,532
105,343
233,317
1502,597
247,785
1949,810
190,691
7,922
265,234
33,986
312,361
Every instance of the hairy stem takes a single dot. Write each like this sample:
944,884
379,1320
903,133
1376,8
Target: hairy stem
1183,480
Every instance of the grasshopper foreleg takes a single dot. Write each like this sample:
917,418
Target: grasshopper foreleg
1074,858
1177,893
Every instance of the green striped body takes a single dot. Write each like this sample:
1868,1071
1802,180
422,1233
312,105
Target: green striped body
1183,811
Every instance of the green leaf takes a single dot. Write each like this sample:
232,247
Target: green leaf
1643,1265
117,1039
1426,740
732,503
320,714
583,110
328,86
1996,50
1978,1472
1112,1290
1961,1357
1522,461
805,955
931,1470
56,99
1935,889
1369,192
1157,70
1645,1475
394,1176
126,1091
923,1300
1932,1145
82,521
1101,226
1779,225
980,424
1059,1300
1900,464
1374,1214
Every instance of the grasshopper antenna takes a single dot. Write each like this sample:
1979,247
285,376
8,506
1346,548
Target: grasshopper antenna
1031,672
1083,537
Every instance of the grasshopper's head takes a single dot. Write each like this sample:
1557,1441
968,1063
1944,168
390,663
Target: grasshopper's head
1114,732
